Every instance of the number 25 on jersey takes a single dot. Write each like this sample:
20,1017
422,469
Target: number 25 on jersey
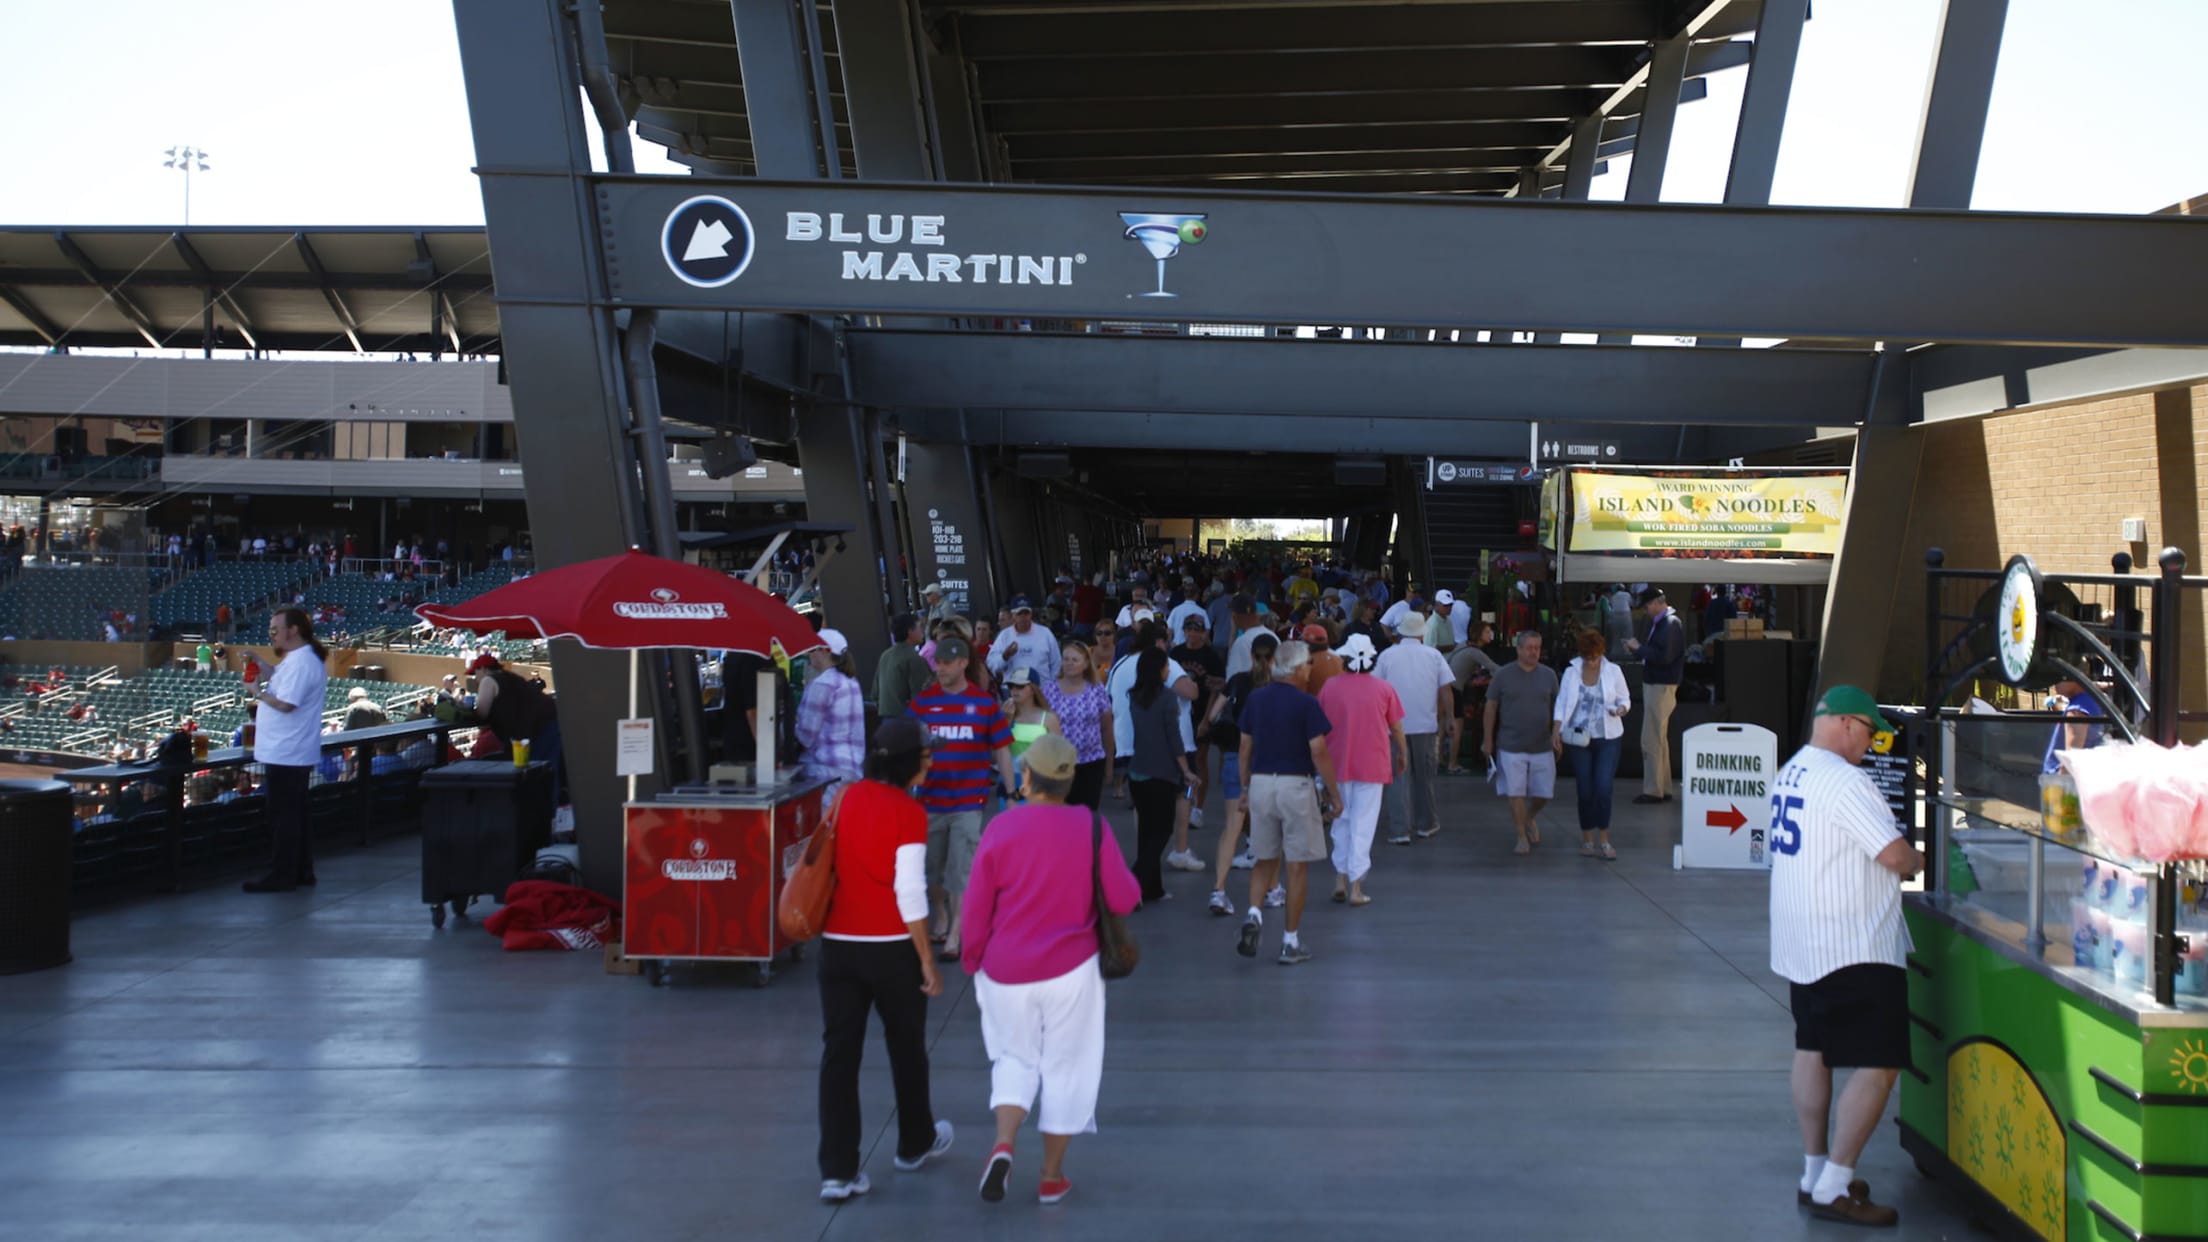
1786,827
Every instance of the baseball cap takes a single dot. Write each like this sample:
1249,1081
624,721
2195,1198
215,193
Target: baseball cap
1651,595
1195,621
952,649
1358,654
1316,635
1019,675
1020,604
900,735
1413,625
1051,757
834,640
1853,701
1444,598
932,588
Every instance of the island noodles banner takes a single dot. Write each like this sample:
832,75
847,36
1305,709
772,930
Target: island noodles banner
1733,515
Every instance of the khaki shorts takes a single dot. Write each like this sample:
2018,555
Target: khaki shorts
1284,819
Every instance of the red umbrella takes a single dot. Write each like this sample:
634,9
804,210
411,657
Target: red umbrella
632,601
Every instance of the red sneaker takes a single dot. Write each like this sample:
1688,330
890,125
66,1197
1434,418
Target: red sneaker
1055,1188
996,1172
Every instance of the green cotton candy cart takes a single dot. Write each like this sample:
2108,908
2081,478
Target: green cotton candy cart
2059,1031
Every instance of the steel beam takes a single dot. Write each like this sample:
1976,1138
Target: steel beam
1390,155
219,291
1847,274
1652,142
329,291
1288,111
1318,28
1304,73
362,282
107,285
1151,149
1410,381
791,134
1126,429
1763,103
881,85
1955,105
1702,17
47,329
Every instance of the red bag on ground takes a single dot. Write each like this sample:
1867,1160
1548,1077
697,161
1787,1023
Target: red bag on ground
539,914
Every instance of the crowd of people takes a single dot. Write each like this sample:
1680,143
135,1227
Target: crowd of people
1321,705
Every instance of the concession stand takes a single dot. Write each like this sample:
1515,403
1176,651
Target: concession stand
704,864
1773,530
2059,1027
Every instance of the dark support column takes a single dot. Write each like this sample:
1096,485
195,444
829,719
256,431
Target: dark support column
1579,180
792,133
1763,103
1763,115
1955,110
951,87
2178,475
1644,182
1866,574
881,76
1017,534
562,357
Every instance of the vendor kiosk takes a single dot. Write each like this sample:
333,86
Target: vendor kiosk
704,865
2059,1031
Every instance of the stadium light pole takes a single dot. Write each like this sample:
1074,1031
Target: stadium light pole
184,159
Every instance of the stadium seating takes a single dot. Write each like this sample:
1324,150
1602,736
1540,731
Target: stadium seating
144,708
249,587
73,602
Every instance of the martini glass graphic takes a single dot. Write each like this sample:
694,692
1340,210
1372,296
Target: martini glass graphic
1163,234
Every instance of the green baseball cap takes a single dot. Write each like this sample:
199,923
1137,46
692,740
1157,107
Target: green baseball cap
1852,701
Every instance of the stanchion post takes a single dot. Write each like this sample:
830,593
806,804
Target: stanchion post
2169,653
1934,841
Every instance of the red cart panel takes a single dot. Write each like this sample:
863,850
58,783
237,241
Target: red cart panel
702,879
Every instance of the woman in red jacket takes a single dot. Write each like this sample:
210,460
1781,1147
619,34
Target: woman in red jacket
875,957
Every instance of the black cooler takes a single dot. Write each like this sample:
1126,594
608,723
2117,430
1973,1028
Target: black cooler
483,821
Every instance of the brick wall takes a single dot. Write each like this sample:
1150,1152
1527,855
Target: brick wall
2057,484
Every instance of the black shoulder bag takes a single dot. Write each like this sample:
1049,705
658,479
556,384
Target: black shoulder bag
1116,950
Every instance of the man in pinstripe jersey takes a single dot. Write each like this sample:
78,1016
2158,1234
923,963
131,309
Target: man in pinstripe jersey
1837,859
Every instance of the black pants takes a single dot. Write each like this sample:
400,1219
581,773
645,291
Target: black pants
1153,832
1088,785
884,977
291,846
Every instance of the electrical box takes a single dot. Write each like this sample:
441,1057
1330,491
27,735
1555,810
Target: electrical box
2135,530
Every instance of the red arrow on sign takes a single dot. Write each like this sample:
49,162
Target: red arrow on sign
1729,819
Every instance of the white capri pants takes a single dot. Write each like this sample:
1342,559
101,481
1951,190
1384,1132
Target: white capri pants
1353,831
1046,1036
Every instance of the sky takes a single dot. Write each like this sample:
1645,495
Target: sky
322,113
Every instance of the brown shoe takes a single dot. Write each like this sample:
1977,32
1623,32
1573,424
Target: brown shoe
1853,1209
1858,1188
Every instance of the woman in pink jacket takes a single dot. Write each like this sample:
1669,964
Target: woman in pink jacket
1029,925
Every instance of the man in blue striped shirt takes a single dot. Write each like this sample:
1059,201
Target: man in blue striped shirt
971,735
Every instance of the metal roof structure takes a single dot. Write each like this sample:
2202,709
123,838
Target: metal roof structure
424,290
1352,96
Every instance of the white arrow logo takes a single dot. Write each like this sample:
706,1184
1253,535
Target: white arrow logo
710,241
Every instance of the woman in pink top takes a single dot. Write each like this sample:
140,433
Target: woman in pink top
1029,925
1369,750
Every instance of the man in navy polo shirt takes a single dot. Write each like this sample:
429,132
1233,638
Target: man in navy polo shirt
1283,747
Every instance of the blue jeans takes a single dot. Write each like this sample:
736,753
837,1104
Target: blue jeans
1594,771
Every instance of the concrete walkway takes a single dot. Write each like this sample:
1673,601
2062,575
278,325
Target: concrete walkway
1548,1047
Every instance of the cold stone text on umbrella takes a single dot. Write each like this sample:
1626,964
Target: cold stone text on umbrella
666,605
1007,269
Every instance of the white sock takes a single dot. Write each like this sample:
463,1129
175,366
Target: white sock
1290,940
1832,1183
1256,915
1811,1167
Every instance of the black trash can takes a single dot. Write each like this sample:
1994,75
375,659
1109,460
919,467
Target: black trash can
370,672
37,834
483,821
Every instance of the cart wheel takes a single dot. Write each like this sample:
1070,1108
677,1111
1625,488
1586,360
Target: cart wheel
763,975
1925,1171
797,952
656,972
437,915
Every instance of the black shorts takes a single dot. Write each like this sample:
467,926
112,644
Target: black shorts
1857,1016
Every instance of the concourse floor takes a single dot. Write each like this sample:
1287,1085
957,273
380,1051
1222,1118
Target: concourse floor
1498,1047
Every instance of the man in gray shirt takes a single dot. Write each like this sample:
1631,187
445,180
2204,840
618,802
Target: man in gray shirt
1520,742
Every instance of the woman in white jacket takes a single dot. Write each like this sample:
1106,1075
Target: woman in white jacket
1591,703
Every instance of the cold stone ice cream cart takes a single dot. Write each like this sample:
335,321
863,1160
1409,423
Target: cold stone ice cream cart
705,867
